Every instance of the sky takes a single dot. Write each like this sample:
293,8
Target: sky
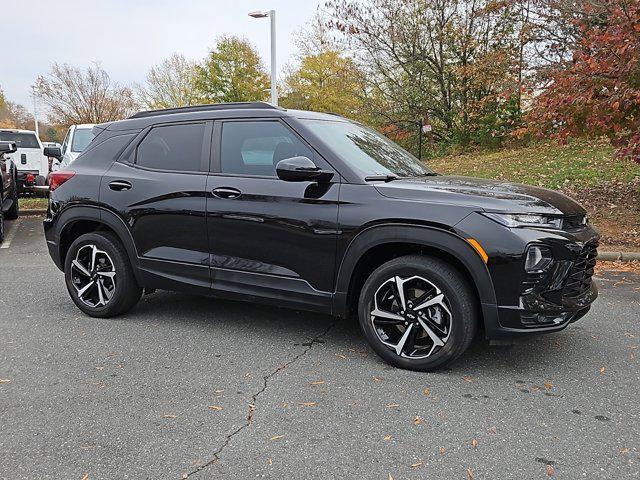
128,37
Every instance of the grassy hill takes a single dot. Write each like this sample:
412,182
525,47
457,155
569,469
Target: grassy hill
586,170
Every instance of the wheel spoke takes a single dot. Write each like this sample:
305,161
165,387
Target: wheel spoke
437,341
400,289
411,341
400,346
100,294
435,300
388,315
84,289
94,252
79,266
107,274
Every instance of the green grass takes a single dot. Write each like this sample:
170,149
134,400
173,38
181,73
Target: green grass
574,165
30,203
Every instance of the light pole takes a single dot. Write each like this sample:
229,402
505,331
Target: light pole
274,74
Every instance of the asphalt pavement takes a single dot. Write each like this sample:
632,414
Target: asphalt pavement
192,387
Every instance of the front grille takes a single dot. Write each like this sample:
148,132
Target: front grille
579,278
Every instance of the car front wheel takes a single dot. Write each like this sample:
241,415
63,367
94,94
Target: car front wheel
99,277
418,312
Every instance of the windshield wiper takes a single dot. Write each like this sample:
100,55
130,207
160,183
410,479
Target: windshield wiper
429,174
381,178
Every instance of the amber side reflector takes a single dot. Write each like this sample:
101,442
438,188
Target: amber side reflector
474,243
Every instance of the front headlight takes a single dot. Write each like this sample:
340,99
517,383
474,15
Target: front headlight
512,220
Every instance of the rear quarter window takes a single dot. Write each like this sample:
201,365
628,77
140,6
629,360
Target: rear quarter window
104,152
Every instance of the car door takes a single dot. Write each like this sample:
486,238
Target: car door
158,189
269,239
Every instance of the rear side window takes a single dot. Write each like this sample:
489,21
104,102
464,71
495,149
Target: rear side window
23,140
254,148
172,147
104,152
81,139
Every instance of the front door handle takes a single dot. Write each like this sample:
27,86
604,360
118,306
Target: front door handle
120,185
226,192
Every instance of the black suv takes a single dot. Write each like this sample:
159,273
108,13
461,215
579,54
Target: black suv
9,208
313,211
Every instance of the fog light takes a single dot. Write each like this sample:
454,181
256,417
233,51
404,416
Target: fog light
538,258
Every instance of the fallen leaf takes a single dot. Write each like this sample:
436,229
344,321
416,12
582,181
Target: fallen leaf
426,392
269,462
388,437
318,382
602,370
5,380
307,404
85,476
393,405
548,385
467,378
215,407
550,470
442,450
285,405
169,416
377,379
417,421
469,474
624,451
219,391
277,437
339,355
474,443
493,430
418,464
390,477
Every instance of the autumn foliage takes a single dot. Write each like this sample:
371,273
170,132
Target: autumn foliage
598,92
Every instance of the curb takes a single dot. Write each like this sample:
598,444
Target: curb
619,256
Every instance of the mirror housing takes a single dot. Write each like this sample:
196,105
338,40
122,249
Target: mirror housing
8,147
54,152
301,169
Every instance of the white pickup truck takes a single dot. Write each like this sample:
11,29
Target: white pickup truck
32,165
78,138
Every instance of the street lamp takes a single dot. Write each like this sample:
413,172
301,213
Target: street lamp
272,15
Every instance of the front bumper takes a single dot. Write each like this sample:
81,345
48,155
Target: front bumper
536,302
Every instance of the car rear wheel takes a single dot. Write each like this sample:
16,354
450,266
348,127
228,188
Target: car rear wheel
418,312
99,277
14,211
1,226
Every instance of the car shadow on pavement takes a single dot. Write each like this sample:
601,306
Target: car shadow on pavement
343,336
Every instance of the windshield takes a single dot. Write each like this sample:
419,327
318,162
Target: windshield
81,139
366,150
23,140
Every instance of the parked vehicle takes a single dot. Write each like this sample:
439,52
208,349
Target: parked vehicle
51,160
316,212
9,207
78,137
33,166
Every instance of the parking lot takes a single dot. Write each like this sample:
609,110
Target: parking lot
186,386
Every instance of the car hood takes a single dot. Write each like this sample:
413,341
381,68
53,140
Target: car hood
489,195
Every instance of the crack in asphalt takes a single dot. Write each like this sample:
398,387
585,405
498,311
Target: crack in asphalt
254,398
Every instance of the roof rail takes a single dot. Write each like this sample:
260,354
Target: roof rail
206,108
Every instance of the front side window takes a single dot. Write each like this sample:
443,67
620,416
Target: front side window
81,139
255,148
23,140
173,147
366,150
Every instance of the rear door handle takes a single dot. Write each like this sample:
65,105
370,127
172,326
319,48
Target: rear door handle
120,185
226,192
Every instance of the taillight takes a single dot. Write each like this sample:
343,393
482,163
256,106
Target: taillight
58,178
30,178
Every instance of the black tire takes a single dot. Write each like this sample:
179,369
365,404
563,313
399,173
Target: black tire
14,212
1,226
126,292
459,298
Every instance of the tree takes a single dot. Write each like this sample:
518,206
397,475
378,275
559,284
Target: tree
13,115
2,99
169,84
232,72
76,96
599,92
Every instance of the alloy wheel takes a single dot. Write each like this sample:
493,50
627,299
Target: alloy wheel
93,275
411,316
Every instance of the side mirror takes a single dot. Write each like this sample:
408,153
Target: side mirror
301,169
8,147
54,152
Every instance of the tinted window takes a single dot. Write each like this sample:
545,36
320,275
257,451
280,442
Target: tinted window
174,147
81,138
254,148
23,140
105,152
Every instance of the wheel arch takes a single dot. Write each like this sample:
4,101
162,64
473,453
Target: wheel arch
376,245
76,221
